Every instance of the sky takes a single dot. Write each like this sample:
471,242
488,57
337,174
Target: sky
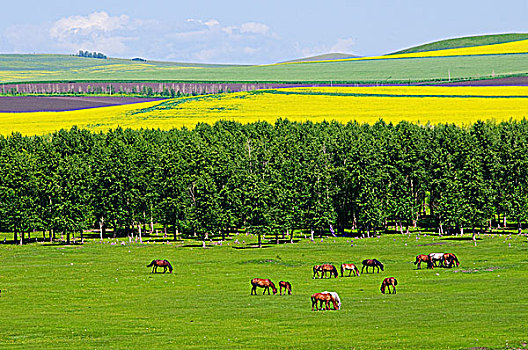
247,32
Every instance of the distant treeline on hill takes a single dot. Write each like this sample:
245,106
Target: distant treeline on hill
90,54
267,179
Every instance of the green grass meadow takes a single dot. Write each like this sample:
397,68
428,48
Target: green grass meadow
98,295
45,68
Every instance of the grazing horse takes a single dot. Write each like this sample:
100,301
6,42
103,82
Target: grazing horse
351,269
262,283
286,285
423,258
437,257
336,298
324,269
449,259
160,263
326,297
372,262
387,282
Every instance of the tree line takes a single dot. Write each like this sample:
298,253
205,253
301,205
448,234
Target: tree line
267,179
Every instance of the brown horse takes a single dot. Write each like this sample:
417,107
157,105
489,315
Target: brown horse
160,263
387,282
323,269
287,287
372,262
320,297
351,269
262,283
449,259
424,258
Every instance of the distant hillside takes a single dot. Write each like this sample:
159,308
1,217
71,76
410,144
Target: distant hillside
328,56
466,42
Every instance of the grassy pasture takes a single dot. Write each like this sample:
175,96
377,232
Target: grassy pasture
466,42
104,296
34,68
419,104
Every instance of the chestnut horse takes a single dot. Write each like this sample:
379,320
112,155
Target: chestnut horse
372,262
262,283
324,269
336,298
449,259
160,263
326,297
387,282
423,258
287,287
351,269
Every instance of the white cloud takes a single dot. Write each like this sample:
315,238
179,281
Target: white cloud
66,28
253,27
191,40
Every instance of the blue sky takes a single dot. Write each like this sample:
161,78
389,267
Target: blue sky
250,32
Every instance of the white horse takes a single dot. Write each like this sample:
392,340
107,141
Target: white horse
336,298
437,257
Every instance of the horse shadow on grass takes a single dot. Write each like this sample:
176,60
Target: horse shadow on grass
458,238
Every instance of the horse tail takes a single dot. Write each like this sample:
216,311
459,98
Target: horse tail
170,266
416,261
342,269
151,263
395,282
357,270
334,271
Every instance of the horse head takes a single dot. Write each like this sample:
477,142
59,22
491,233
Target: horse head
273,288
379,264
334,271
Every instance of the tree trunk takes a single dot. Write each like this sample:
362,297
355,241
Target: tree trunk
67,237
504,220
519,226
175,232
312,234
291,235
22,237
139,231
101,224
259,240
15,237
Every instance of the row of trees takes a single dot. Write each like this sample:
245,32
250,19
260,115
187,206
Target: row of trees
89,54
268,179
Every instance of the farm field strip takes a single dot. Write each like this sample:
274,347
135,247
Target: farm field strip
385,70
99,295
459,105
514,47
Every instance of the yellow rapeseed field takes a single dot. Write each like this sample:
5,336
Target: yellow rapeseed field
513,47
459,105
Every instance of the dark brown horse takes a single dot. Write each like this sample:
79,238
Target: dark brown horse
372,262
323,297
323,269
351,269
449,259
262,283
160,263
387,282
287,287
424,258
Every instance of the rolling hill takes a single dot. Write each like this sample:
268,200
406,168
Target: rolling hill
467,41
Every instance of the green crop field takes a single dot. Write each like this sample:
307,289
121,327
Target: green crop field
103,295
466,42
34,68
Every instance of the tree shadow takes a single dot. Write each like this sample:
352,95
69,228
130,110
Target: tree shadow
253,247
459,239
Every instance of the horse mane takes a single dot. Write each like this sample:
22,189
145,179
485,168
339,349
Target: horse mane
151,263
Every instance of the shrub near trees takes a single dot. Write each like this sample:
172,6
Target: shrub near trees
267,179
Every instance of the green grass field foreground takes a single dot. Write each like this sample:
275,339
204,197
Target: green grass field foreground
102,295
